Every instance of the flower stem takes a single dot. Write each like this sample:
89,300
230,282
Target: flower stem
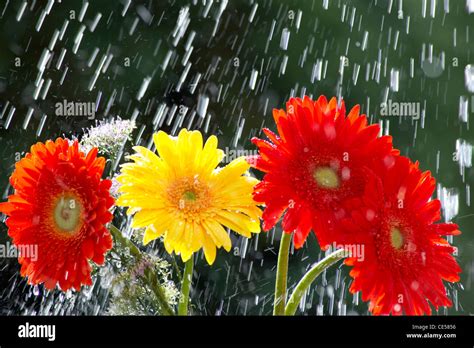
309,277
148,274
282,274
176,268
186,286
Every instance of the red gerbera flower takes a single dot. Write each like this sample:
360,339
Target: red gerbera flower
58,213
404,258
315,166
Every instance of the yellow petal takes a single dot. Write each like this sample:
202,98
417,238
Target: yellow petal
240,223
198,237
144,218
190,148
251,210
188,235
169,245
166,146
230,173
147,155
239,196
175,232
209,158
143,173
151,233
217,233
142,200
209,249
186,254
132,210
196,141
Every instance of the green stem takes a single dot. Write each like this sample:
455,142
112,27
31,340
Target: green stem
186,287
282,274
309,277
148,274
176,268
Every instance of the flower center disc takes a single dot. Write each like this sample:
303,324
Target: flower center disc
189,196
67,213
396,238
326,177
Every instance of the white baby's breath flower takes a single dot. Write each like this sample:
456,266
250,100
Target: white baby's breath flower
108,136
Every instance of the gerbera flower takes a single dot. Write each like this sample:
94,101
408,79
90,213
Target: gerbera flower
315,166
405,257
59,208
182,196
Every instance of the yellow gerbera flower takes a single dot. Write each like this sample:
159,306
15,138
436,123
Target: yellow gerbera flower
182,196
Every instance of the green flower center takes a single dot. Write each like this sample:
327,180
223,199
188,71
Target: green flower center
67,213
396,238
189,196
326,177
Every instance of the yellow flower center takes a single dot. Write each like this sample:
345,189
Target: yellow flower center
326,177
190,197
67,213
396,238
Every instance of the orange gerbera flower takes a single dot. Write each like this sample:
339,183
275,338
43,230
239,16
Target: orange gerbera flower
404,258
316,166
57,215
